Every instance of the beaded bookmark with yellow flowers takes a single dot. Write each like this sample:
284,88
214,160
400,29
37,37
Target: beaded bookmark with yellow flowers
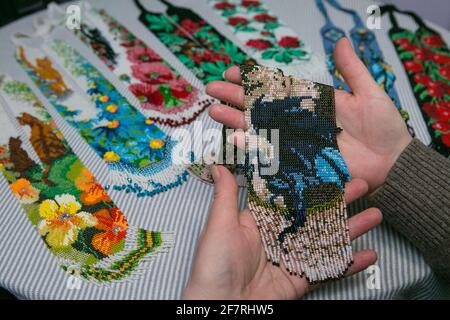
137,152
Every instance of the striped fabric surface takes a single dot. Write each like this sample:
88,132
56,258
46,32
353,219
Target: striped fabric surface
29,271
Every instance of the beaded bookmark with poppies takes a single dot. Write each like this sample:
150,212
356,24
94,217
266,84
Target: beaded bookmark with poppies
296,194
73,214
196,43
367,49
163,94
136,151
426,60
271,42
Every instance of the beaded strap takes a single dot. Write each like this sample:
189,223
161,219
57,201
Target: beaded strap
367,49
73,214
426,59
299,207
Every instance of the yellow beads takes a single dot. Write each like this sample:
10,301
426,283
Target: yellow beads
111,156
113,124
156,144
104,99
112,108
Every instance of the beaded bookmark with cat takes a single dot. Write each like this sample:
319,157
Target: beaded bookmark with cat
296,182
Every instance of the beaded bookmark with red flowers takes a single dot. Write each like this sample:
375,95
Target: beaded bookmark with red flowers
74,215
162,93
269,40
202,48
426,60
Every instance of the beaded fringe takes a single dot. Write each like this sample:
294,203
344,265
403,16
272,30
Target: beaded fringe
320,250
125,266
149,181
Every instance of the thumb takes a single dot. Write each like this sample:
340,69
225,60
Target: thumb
353,69
224,209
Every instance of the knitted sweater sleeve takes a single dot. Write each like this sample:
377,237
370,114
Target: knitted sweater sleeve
415,200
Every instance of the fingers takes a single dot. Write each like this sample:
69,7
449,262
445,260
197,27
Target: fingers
361,261
224,209
355,189
363,222
228,116
228,92
353,70
233,75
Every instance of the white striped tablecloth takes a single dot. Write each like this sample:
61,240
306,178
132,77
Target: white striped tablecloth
29,271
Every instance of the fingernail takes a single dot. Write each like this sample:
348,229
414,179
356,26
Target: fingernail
224,75
215,172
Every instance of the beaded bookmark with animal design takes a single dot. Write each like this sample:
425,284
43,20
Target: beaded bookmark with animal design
73,214
367,49
270,41
299,206
136,151
196,43
426,60
164,95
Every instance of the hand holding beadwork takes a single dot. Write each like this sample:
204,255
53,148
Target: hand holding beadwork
231,262
374,133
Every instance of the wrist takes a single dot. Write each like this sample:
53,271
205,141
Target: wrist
390,161
402,144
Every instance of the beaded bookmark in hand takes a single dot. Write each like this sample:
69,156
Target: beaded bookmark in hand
299,207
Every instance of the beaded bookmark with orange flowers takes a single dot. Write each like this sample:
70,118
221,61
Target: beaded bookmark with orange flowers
73,214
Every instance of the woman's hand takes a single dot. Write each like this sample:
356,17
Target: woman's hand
231,263
374,133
